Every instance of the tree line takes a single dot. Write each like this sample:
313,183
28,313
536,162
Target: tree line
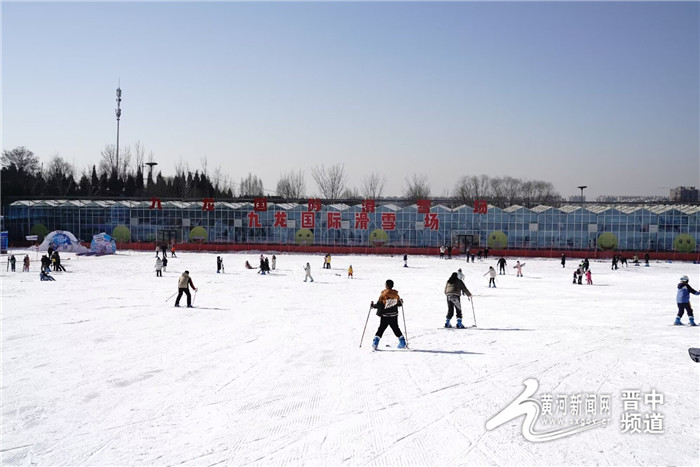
24,175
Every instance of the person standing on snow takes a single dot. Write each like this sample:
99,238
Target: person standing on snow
388,310
502,266
589,280
274,262
307,270
219,264
519,269
183,286
454,289
159,267
350,272
165,264
405,260
492,276
683,301
563,260
13,261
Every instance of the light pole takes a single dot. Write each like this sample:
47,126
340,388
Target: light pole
119,114
582,188
150,170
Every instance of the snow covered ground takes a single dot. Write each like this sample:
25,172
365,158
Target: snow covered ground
98,369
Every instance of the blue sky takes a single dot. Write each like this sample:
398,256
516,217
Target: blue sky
601,94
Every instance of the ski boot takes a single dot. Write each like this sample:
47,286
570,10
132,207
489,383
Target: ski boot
402,342
692,320
678,321
447,324
459,323
375,342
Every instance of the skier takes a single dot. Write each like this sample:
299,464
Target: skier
586,265
577,273
614,262
478,254
589,280
486,253
683,301
388,310
646,259
454,289
405,260
266,265
159,267
350,272
45,263
261,267
165,263
636,259
157,250
328,261
13,261
563,260
45,276
623,260
519,269
219,264
442,252
183,286
247,265
274,262
164,249
460,275
502,266
492,276
449,252
172,252
25,267
307,270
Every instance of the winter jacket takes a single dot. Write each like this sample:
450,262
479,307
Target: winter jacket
388,303
184,281
159,265
456,288
684,291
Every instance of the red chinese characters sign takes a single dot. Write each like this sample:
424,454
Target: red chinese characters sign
432,221
368,205
280,219
314,205
260,204
333,220
253,220
208,204
423,206
361,220
308,220
481,206
389,221
155,202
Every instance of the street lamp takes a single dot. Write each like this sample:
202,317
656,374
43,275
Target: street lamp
581,188
150,168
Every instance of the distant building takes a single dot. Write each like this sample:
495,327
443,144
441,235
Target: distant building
685,194
631,199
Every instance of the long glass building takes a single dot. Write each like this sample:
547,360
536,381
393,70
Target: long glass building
366,223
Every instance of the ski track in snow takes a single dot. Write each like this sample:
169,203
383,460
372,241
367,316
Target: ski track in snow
267,370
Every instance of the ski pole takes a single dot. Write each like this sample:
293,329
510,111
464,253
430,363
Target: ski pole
170,297
405,331
195,296
473,314
365,328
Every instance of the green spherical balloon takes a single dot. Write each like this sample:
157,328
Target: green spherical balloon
684,243
607,241
40,230
378,237
198,233
497,239
304,237
121,234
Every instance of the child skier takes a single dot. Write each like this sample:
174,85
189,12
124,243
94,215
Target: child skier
274,262
405,260
492,276
388,310
454,289
589,280
45,276
25,267
563,260
683,301
460,274
183,286
219,264
307,270
519,269
350,272
165,264
159,267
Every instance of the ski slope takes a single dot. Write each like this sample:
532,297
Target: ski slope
98,369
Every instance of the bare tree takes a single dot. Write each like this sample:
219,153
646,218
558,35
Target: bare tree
373,185
291,185
22,159
331,182
60,175
251,186
472,188
417,187
111,166
351,193
511,189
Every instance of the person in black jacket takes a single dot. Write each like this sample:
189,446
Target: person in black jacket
502,266
388,310
454,289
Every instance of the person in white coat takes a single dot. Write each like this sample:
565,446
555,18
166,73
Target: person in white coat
307,270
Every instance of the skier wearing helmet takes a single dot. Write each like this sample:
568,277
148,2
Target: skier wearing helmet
683,301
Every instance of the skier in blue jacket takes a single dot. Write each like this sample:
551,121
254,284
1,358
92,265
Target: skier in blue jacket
683,301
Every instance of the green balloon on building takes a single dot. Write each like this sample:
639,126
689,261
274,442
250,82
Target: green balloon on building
121,234
198,233
378,237
497,239
304,237
684,243
607,241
